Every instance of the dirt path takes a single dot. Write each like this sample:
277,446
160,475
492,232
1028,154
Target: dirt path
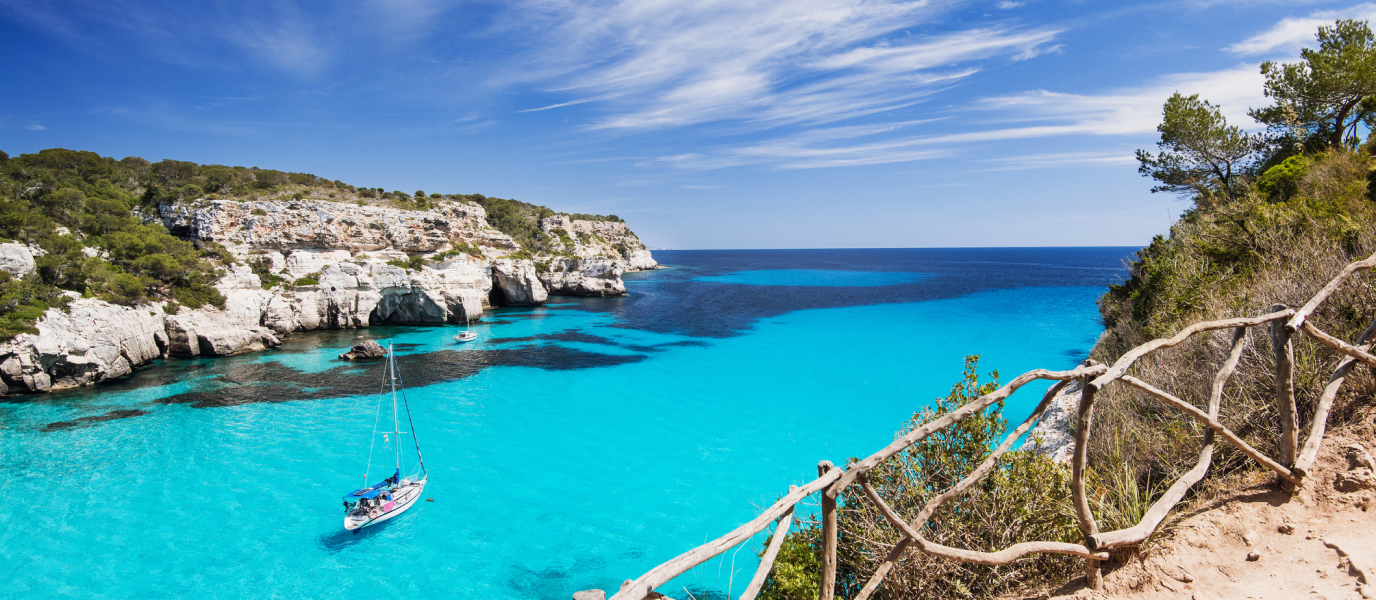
1262,543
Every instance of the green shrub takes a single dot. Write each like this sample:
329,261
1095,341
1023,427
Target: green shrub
797,569
1279,183
563,237
262,267
23,302
305,281
259,212
1025,498
413,263
123,288
196,295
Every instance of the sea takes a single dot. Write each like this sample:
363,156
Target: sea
571,446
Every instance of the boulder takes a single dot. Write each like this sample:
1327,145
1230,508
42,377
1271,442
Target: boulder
16,259
228,342
368,349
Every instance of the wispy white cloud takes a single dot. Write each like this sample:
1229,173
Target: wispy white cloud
672,63
1029,115
1006,5
1292,33
571,103
286,40
1136,109
700,187
35,127
1062,159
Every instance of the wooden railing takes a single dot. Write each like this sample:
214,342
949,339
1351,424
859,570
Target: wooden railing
1291,467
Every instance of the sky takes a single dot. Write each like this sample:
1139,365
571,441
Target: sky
702,123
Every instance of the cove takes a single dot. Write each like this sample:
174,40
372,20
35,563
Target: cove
571,447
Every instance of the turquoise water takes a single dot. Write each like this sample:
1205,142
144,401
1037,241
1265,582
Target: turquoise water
571,447
814,277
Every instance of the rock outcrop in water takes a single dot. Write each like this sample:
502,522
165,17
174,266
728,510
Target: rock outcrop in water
331,265
368,349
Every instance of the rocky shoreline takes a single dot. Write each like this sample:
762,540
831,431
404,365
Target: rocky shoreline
331,265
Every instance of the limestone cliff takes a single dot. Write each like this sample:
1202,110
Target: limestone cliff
291,224
604,239
302,265
92,342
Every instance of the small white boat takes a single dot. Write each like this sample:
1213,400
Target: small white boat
465,335
394,495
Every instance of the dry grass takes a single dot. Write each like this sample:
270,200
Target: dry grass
1236,261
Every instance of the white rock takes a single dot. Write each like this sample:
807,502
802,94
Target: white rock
92,342
288,224
593,276
515,283
16,259
609,239
1052,436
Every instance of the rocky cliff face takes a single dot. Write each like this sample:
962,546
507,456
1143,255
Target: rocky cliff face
599,239
336,266
92,342
290,224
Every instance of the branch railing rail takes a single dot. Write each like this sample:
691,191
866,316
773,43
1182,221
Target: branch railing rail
1291,467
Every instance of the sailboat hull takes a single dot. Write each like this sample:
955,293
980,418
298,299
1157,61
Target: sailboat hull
403,498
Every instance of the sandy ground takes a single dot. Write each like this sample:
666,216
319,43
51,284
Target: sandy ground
1260,542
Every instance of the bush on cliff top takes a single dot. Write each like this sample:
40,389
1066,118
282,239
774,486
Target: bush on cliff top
1025,498
1294,214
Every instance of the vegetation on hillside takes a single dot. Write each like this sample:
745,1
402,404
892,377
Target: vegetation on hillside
1274,216
1025,499
81,212
1297,207
74,209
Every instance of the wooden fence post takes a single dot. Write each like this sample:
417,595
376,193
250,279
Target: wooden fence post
828,587
1093,574
1284,349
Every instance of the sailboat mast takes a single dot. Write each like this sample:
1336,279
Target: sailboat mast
396,427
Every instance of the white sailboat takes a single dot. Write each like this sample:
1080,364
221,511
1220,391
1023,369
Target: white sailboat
394,495
466,335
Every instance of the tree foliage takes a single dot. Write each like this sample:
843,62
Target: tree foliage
1201,154
1329,93
75,208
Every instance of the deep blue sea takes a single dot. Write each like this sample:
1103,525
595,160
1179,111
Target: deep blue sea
572,446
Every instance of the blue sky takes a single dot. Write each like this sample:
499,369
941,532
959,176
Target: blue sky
705,124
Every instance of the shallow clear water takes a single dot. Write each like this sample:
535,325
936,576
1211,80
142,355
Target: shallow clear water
572,446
